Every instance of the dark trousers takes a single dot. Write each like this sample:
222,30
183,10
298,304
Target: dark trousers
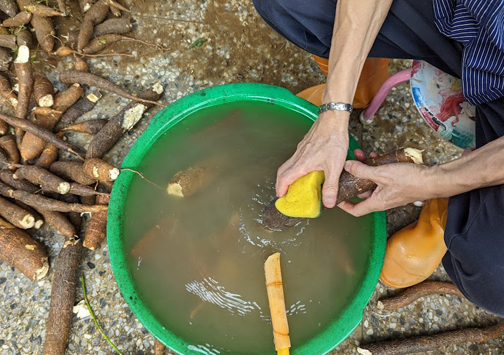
474,232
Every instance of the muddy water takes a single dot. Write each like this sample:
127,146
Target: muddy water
198,260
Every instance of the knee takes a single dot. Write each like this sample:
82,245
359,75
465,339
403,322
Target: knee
481,280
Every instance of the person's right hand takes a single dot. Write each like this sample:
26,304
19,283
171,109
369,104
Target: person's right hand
325,148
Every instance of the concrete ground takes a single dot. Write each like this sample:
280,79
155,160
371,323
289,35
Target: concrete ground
238,47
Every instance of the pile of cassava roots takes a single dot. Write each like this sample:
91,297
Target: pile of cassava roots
37,185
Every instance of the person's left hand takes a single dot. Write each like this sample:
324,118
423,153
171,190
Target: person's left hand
397,185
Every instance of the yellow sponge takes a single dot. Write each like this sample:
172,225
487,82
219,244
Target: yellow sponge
304,197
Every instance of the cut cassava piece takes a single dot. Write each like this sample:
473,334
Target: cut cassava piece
122,122
63,290
45,134
95,15
150,240
113,26
20,19
96,230
8,144
16,215
276,301
60,222
6,91
41,202
20,251
100,170
189,181
66,99
423,344
9,7
411,294
82,106
71,170
44,31
89,127
43,91
43,178
74,76
349,187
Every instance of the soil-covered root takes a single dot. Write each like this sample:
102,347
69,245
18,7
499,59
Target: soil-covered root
8,41
5,59
82,106
125,120
96,230
20,19
63,290
7,177
75,76
16,215
60,222
20,251
100,170
43,178
44,31
72,170
25,38
6,91
95,15
48,136
9,7
43,91
48,156
8,144
113,26
89,127
45,203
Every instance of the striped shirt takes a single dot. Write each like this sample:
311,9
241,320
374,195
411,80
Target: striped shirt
479,26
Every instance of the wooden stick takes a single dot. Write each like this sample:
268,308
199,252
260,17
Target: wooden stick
423,344
276,300
411,294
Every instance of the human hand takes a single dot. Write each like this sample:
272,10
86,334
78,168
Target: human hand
397,185
323,148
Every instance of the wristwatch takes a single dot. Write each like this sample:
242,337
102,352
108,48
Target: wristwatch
338,106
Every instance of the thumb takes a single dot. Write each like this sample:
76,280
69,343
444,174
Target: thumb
360,170
330,190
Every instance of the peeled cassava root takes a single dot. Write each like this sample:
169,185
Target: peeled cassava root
349,187
19,250
276,300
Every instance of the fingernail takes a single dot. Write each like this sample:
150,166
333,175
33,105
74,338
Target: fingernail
348,165
329,201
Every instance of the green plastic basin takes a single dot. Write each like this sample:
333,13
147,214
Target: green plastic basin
182,109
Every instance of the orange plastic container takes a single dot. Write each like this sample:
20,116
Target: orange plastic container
373,75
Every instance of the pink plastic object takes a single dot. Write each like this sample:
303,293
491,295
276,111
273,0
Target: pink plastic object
398,78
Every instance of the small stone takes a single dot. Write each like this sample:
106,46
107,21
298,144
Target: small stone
2,280
90,265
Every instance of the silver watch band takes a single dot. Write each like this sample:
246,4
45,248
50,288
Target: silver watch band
338,106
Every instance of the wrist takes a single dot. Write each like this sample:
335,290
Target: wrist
334,120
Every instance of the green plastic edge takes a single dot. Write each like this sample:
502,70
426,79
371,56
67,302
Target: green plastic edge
325,341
